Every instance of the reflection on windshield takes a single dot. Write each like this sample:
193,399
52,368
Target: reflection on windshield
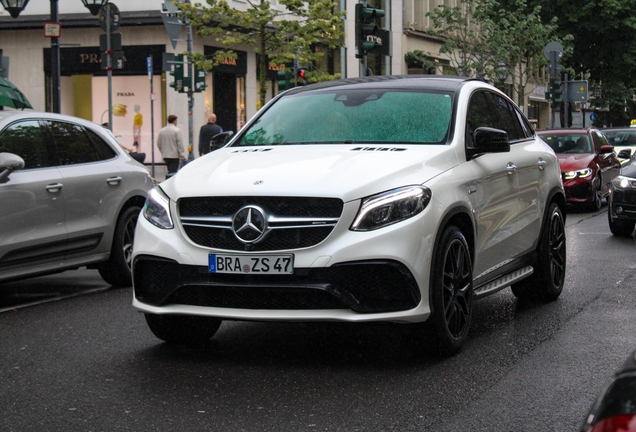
571,143
354,116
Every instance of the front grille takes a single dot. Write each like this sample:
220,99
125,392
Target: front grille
364,287
207,221
223,238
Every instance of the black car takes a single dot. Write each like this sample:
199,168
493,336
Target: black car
615,409
621,213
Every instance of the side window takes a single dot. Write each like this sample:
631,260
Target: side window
528,130
599,141
72,144
478,115
26,140
105,151
504,118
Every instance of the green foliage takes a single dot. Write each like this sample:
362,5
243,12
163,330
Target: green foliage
281,37
478,34
603,44
420,59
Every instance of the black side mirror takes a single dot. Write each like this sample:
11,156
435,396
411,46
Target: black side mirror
9,162
219,140
624,154
488,140
607,149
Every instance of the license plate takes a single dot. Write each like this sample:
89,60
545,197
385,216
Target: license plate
251,264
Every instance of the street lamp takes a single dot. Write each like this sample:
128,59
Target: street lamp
14,7
501,71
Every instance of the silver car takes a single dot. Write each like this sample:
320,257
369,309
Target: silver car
70,197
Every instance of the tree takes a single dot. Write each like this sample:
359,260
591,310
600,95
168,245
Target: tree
479,34
519,39
279,37
465,37
604,45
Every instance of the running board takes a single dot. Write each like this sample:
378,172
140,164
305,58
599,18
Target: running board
503,282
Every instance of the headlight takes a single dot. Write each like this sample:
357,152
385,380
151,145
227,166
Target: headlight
157,209
582,173
621,182
390,207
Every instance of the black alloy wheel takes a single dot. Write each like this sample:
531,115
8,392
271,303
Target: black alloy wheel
451,292
117,270
549,271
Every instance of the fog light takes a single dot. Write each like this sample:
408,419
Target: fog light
618,210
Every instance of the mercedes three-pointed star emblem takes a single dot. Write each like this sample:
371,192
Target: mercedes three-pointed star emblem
249,224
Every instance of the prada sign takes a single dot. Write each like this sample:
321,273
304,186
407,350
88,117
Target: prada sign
236,66
89,60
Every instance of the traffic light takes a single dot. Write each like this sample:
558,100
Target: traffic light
177,73
199,80
284,81
548,92
367,25
556,88
301,78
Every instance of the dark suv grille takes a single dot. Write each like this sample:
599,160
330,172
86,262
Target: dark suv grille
207,221
364,287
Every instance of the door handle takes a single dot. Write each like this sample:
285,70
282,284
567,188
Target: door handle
54,187
542,163
113,181
512,168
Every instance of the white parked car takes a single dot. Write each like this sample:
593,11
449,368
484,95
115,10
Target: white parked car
70,197
394,199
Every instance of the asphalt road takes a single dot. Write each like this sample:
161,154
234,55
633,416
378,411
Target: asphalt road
89,363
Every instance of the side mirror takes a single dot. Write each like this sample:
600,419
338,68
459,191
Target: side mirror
489,140
607,149
9,162
219,140
624,154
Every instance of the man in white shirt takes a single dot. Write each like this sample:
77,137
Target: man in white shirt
171,145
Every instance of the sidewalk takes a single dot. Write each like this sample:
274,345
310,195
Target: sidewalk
160,171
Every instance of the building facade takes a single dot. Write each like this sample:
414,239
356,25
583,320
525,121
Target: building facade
141,85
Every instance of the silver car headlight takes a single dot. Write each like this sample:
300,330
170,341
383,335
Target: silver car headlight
622,182
157,209
390,207
582,173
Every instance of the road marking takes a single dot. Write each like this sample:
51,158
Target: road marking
20,306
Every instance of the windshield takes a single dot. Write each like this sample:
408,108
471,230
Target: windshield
354,116
568,143
624,138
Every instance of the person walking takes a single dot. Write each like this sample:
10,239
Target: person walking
171,146
206,133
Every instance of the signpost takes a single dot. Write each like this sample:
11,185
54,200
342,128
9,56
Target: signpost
109,20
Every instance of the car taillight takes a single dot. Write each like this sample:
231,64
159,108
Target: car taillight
617,423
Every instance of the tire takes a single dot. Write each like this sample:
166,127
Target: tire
597,194
547,281
117,270
620,228
451,296
183,329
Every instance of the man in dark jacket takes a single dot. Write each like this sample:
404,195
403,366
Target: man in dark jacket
206,133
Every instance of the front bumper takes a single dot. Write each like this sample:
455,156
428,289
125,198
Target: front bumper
622,203
362,287
579,191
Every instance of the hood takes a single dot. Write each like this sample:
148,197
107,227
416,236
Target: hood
347,172
572,162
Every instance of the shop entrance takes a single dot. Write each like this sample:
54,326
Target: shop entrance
224,85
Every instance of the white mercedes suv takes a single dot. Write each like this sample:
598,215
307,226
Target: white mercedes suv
398,199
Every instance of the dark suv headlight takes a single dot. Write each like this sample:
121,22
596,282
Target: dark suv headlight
390,207
622,182
157,209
